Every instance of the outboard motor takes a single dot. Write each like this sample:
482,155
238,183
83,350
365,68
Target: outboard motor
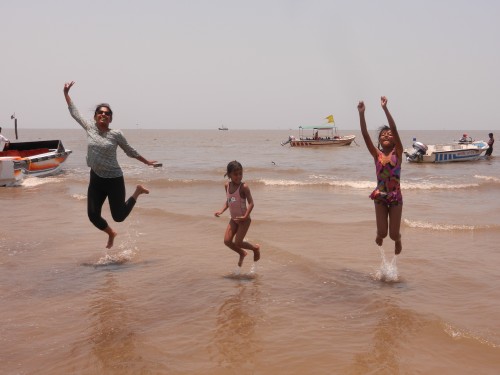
419,150
290,138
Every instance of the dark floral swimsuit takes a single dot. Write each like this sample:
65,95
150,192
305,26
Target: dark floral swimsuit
388,191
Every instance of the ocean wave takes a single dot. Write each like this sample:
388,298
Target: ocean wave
458,333
31,182
346,183
172,183
447,227
488,179
320,182
436,186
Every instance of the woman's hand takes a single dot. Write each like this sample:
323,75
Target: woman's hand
67,86
361,107
383,102
217,214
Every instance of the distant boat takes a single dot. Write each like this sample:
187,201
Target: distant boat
331,138
223,128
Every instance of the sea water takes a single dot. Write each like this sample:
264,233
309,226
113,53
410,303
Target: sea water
158,302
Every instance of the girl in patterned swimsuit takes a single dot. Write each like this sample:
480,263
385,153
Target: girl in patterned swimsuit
237,195
387,196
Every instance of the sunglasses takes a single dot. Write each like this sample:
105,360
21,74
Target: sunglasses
107,113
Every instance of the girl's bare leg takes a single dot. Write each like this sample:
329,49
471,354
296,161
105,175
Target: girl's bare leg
395,214
112,234
381,214
240,236
231,231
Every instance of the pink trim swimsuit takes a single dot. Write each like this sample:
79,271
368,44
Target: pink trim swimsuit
237,204
388,191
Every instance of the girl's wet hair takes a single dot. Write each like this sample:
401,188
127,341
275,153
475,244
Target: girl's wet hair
233,166
105,105
382,129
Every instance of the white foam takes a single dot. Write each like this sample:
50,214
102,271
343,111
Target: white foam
438,227
388,271
318,182
238,275
119,258
487,178
435,186
37,181
79,197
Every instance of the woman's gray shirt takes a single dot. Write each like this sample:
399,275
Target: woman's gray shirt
101,146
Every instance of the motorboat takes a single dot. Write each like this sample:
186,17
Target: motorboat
444,153
322,135
37,158
223,128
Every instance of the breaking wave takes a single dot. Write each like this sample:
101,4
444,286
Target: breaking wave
447,227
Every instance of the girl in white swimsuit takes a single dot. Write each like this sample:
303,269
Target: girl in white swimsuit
237,196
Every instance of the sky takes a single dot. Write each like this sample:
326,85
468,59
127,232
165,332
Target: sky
260,64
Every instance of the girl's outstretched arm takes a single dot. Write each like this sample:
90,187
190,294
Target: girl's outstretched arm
392,125
362,122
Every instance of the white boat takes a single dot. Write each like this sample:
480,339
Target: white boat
11,173
321,135
223,128
445,153
38,158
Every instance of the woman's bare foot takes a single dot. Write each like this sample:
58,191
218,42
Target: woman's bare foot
111,237
379,240
398,246
243,254
256,253
139,190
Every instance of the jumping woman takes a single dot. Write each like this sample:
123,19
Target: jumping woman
106,176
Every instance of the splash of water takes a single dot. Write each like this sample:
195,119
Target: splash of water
119,258
388,271
238,275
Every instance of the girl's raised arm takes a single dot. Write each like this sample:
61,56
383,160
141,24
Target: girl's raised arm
362,122
392,125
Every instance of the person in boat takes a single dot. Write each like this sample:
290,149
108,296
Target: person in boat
490,145
237,196
316,135
465,139
106,176
387,196
5,140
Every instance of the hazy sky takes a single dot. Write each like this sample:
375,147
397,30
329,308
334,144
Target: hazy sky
270,64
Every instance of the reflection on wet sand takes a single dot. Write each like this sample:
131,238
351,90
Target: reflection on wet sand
383,356
113,339
235,337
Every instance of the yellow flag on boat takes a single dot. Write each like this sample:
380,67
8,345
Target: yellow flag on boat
330,118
